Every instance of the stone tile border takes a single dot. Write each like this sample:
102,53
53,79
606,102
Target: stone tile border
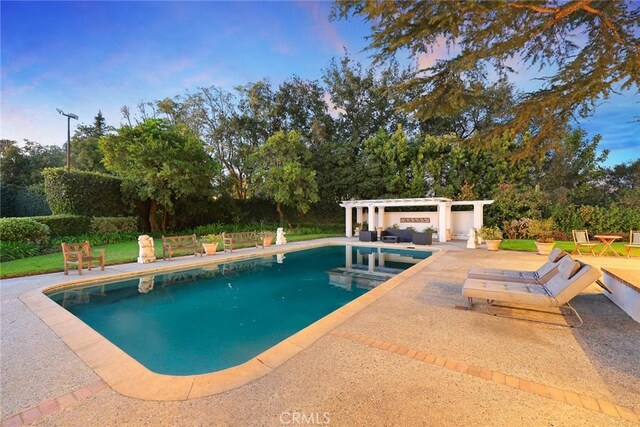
561,395
51,406
128,377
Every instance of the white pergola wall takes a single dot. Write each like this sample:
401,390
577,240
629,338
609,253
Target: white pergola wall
457,222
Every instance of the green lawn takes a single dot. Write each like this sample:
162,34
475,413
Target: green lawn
530,246
117,253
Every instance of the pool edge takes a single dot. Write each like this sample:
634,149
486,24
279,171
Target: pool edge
130,378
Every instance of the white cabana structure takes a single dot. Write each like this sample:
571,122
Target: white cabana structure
449,224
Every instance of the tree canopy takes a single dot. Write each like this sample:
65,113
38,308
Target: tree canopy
162,163
583,50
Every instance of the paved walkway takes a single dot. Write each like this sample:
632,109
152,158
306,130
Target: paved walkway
410,358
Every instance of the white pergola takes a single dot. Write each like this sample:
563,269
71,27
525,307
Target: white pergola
443,206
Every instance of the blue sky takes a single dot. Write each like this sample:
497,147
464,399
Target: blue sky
88,56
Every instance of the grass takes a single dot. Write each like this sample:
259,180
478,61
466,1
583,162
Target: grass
117,253
530,246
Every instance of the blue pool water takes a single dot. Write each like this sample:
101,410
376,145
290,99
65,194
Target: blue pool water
207,319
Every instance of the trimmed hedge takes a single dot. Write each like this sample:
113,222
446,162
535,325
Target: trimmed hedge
23,230
22,201
65,225
96,239
114,224
83,193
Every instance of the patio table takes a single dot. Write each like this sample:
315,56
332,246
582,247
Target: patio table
607,240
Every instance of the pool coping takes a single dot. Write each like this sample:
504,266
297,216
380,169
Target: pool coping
130,378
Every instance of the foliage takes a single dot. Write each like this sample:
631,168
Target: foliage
17,250
162,163
103,225
85,150
65,225
517,228
23,230
83,193
485,37
22,201
490,233
541,230
95,239
283,175
211,238
23,166
514,201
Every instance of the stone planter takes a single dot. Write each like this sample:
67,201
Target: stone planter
210,248
545,248
493,245
422,238
266,241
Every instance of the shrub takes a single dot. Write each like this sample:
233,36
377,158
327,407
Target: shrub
517,228
107,224
23,201
83,193
65,225
541,230
490,233
23,230
96,239
16,250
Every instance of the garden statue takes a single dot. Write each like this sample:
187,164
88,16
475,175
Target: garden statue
146,284
147,251
472,243
280,239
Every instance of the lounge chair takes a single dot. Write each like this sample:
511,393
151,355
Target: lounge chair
79,254
538,277
573,278
634,242
581,240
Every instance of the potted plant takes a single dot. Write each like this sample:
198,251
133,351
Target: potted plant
210,243
267,238
425,237
492,236
542,231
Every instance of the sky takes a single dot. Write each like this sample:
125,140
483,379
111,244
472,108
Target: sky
83,57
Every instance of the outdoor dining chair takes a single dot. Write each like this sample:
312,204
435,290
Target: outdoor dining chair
581,240
634,242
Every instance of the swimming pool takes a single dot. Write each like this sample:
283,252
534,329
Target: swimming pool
207,319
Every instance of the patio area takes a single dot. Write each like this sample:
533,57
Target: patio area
409,358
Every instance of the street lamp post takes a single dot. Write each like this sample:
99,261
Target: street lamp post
69,116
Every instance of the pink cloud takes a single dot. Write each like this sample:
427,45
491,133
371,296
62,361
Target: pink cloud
322,27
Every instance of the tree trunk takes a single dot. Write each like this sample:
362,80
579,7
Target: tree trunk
280,214
153,207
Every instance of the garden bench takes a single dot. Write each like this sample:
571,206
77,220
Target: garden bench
173,244
229,240
79,253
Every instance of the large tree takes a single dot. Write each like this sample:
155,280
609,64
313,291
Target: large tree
162,163
582,50
85,152
283,174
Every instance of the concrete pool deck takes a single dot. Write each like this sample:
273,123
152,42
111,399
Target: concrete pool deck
407,358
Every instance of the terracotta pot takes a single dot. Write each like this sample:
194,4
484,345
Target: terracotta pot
493,245
545,248
266,241
210,248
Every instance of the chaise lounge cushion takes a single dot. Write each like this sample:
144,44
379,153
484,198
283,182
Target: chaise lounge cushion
541,275
568,267
506,291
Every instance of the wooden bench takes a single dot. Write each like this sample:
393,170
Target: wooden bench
229,240
173,244
79,253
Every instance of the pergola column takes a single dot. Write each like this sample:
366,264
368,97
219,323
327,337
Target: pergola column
359,215
478,212
381,216
371,223
442,222
348,257
348,218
